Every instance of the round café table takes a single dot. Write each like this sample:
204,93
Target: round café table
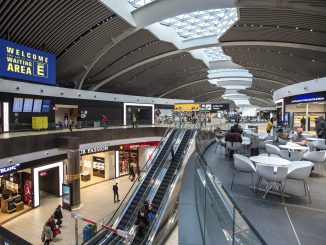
294,147
315,139
272,161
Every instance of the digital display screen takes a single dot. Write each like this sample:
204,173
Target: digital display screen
18,105
37,105
28,105
46,106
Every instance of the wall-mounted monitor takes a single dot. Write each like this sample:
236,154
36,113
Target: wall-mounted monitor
37,107
18,105
46,105
28,105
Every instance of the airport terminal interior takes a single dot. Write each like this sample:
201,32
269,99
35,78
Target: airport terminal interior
193,122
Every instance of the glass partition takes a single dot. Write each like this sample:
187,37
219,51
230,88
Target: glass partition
219,217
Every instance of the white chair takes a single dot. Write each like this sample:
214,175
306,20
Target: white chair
300,170
296,155
278,178
317,157
311,145
320,144
232,146
262,144
282,141
273,149
244,165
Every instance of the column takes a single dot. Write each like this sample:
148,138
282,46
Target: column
307,116
71,145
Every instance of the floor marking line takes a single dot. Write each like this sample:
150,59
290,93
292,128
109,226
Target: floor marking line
295,233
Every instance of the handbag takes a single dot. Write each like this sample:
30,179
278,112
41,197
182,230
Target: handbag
56,232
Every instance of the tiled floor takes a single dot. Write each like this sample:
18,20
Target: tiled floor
173,239
298,222
97,202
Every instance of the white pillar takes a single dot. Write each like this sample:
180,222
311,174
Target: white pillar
307,115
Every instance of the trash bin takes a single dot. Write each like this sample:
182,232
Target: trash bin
88,231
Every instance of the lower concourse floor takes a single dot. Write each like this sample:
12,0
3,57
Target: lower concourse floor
97,202
297,222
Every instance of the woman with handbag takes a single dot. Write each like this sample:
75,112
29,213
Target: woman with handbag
46,234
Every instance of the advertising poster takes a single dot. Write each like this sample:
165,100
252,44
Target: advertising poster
66,196
24,63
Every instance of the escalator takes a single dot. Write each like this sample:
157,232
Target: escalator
166,182
105,237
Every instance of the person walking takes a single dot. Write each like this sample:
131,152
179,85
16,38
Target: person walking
70,123
321,128
104,121
131,173
46,234
116,193
134,121
269,126
303,123
58,215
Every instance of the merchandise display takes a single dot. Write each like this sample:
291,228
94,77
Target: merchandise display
99,167
85,176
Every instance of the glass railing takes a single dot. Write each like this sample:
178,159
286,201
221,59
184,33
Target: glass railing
219,217
19,126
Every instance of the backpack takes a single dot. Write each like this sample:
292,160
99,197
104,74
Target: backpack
151,216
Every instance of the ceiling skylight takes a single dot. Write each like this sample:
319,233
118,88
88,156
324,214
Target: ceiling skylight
216,53
139,3
203,23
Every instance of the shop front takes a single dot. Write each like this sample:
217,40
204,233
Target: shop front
133,156
23,188
97,164
303,110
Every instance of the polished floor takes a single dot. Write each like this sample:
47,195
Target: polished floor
97,202
297,222
173,238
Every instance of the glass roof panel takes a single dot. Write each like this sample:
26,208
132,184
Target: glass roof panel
216,53
217,20
139,3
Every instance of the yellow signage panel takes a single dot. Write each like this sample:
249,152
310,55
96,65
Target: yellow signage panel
186,107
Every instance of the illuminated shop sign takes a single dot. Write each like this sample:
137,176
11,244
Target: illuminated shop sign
93,150
9,169
303,98
23,63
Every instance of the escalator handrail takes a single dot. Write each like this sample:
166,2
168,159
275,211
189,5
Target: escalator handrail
153,156
144,193
158,217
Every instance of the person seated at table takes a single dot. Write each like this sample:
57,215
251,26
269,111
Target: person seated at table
233,135
298,138
281,134
237,128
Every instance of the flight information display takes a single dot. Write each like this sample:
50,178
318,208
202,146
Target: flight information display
46,106
37,105
28,105
18,105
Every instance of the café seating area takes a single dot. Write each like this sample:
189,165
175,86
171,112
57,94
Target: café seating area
280,187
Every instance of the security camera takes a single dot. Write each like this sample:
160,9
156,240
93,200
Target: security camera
61,92
47,153
17,88
41,90
79,94
10,160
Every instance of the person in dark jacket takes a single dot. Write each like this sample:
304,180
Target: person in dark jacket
116,193
58,215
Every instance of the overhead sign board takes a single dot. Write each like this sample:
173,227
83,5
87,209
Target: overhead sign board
24,63
305,98
186,107
215,107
